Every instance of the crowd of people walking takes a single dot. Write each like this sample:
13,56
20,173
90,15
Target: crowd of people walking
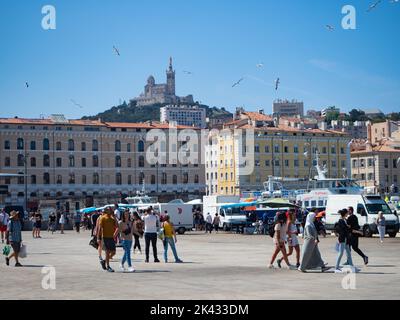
121,227
286,230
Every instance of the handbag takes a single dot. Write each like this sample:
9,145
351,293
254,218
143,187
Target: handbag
23,251
160,233
93,242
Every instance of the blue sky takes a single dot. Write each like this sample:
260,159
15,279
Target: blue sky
219,41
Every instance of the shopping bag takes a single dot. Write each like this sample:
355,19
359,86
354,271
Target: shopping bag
6,250
23,252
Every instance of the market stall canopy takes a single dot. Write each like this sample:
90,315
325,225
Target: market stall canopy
195,201
238,205
278,203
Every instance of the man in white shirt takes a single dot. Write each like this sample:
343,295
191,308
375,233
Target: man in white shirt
117,213
208,223
151,225
4,218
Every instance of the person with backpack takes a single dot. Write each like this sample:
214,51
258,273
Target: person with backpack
279,237
311,257
342,230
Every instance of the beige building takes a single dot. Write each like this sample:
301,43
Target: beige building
83,159
279,151
377,167
382,130
288,108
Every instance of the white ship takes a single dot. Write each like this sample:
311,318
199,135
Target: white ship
312,193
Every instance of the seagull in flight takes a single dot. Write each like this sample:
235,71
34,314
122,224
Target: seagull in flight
187,72
374,5
277,82
237,83
27,84
116,50
75,103
260,65
330,28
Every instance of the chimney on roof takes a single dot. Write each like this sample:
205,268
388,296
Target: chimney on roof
261,111
16,117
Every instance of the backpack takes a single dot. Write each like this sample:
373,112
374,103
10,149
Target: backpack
271,229
336,229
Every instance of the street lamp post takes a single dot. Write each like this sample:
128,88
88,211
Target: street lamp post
26,179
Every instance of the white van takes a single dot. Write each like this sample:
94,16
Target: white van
229,210
366,208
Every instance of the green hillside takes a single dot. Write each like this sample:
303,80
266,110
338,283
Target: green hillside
132,113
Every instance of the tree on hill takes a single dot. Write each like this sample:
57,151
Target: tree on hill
357,115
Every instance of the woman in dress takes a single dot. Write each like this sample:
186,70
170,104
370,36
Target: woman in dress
311,257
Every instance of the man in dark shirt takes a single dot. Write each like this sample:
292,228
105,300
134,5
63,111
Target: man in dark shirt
355,232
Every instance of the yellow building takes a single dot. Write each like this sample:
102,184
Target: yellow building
279,151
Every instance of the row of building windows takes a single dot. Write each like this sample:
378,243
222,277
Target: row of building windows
71,145
277,163
71,162
118,179
370,177
369,162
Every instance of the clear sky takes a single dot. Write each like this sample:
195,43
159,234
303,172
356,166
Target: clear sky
219,41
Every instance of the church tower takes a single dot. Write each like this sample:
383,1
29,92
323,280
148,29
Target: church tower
170,79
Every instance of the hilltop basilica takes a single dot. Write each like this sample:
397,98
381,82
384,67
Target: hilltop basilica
163,92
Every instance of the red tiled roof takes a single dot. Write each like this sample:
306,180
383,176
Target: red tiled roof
144,125
284,128
257,116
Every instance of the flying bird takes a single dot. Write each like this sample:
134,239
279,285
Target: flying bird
305,153
187,72
260,65
75,103
27,84
116,50
277,82
330,28
374,5
237,83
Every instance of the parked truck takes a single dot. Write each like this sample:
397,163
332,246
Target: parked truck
231,214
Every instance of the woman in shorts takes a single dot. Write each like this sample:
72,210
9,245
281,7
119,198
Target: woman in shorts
293,241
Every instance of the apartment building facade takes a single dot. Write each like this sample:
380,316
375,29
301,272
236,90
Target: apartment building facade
79,159
277,151
377,168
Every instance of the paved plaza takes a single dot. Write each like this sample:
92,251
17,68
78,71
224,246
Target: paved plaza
217,266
